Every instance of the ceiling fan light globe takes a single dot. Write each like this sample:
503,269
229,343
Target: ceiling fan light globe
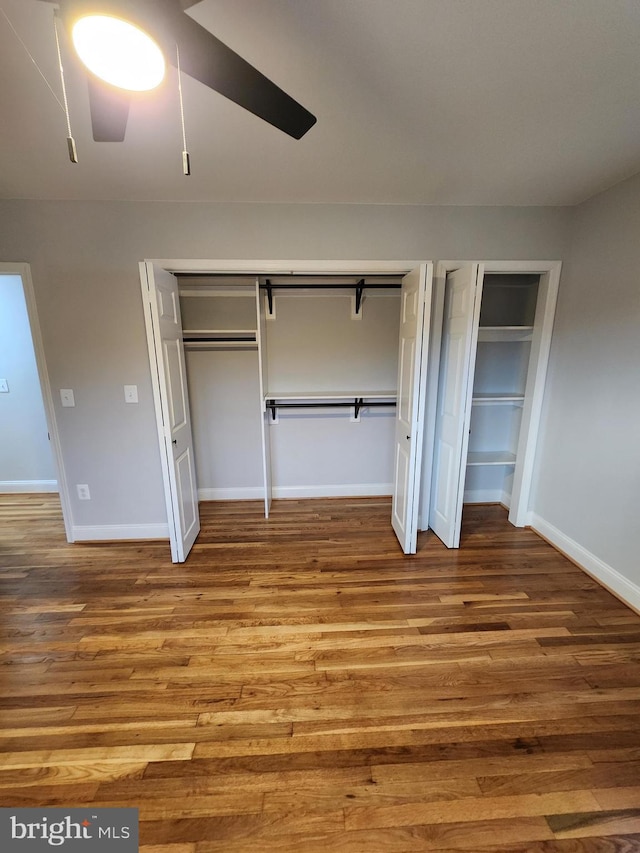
118,52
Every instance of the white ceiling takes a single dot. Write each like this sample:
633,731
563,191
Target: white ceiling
497,102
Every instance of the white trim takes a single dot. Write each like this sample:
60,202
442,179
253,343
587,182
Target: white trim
9,487
605,574
256,493
105,532
534,393
24,271
348,490
507,266
487,496
287,267
236,493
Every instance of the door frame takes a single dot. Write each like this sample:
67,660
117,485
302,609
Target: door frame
549,272
225,266
24,271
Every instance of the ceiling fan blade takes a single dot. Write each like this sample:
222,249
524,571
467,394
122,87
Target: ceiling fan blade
208,60
202,56
109,111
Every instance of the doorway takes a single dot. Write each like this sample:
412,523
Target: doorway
30,458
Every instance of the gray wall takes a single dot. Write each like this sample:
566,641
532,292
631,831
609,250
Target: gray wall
26,463
84,256
589,456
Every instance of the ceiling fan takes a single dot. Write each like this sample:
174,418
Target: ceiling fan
199,54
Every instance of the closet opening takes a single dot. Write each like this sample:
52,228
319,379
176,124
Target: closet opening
323,366
30,455
288,384
492,334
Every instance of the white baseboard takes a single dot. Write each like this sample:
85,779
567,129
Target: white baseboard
242,493
487,496
605,574
8,487
105,532
353,490
255,493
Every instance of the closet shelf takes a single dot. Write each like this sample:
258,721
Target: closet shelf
357,286
218,334
328,399
491,457
329,395
505,333
499,399
218,338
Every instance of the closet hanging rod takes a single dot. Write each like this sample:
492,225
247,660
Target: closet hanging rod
357,404
358,286
247,339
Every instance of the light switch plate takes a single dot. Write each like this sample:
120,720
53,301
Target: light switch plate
66,395
4,386
131,393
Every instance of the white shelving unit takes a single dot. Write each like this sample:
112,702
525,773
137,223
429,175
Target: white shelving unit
505,333
219,330
507,313
492,334
221,315
483,399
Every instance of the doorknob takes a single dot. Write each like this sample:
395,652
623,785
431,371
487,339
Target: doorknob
175,441
408,438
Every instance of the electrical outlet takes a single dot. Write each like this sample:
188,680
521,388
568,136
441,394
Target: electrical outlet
4,386
83,492
131,393
67,398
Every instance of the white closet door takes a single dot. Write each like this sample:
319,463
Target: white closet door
412,372
453,412
172,408
264,424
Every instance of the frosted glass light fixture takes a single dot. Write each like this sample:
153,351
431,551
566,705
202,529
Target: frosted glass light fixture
118,52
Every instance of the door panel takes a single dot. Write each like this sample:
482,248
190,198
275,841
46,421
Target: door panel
185,467
162,313
412,371
453,411
174,361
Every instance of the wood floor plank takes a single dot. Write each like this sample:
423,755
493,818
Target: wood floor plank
301,685
413,839
471,809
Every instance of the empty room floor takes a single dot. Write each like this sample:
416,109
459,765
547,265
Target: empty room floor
300,685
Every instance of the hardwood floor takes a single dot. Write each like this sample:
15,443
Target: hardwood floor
300,685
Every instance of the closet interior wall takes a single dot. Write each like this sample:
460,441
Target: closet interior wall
219,321
313,346
320,350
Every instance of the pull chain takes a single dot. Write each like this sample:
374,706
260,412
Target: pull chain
186,159
71,144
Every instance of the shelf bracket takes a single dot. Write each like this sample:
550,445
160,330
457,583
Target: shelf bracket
357,405
269,290
359,290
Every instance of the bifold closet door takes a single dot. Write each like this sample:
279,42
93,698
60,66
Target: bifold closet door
412,374
453,412
264,412
169,379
